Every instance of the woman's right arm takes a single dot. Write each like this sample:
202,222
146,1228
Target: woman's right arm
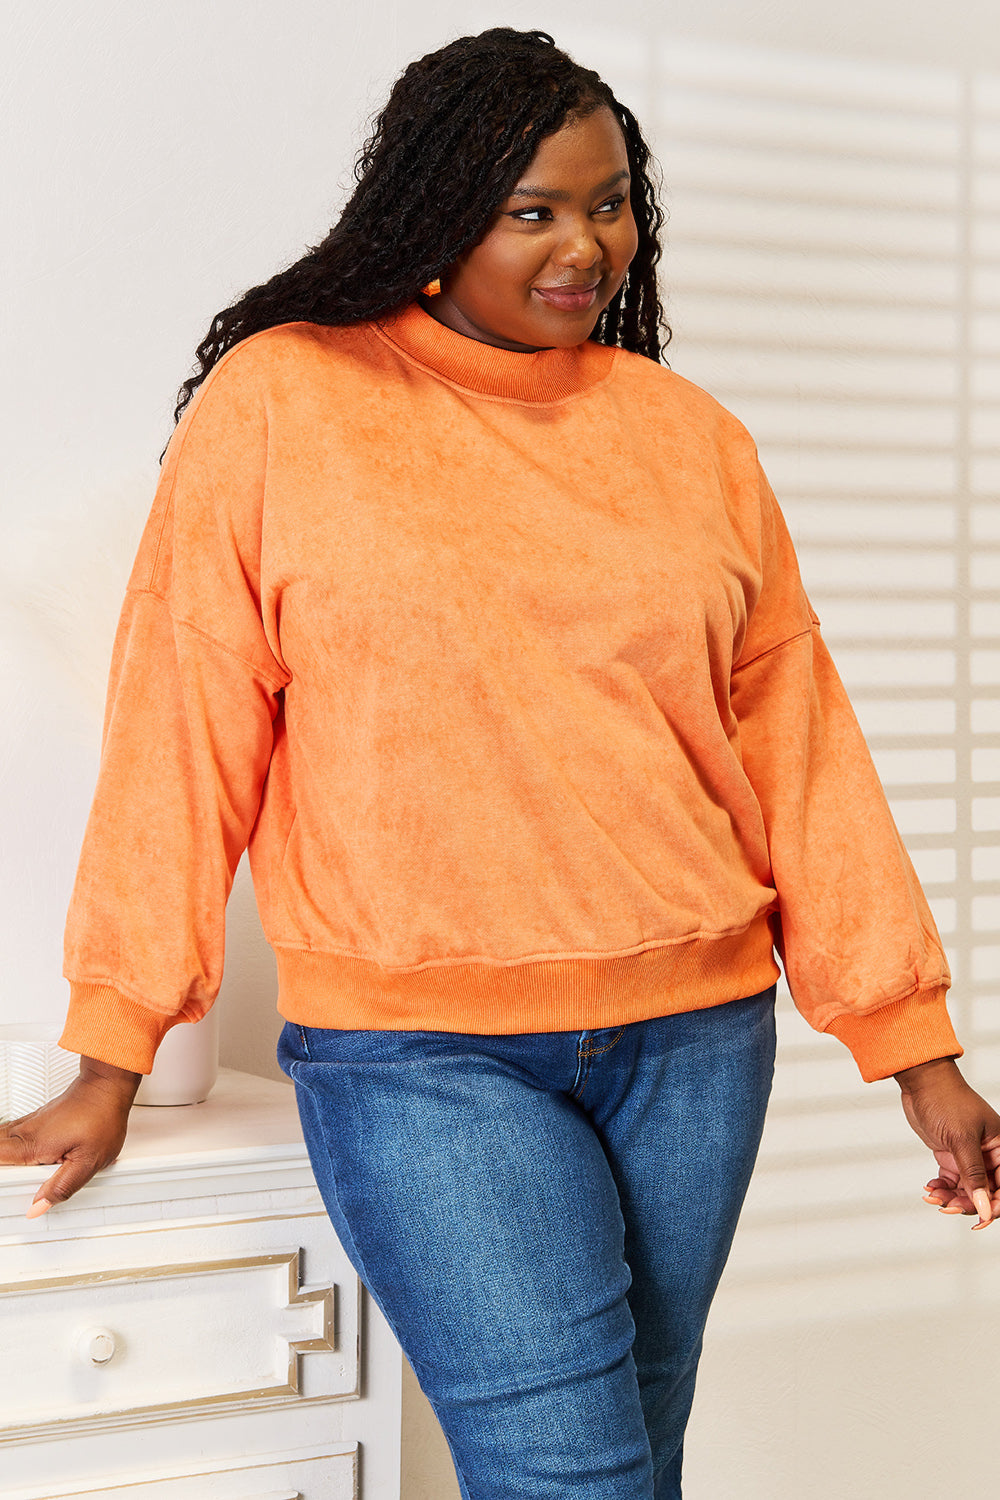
82,1130
194,694
195,690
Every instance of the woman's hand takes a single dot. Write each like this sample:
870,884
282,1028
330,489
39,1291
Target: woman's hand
83,1130
963,1132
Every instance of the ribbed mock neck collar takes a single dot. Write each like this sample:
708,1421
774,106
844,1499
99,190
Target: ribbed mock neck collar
548,375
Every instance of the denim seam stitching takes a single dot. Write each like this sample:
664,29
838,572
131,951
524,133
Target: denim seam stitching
596,1051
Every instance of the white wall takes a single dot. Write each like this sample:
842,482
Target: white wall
833,178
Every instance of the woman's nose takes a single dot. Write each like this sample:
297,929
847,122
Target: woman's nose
579,247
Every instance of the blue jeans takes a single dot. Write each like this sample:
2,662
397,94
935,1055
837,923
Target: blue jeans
543,1220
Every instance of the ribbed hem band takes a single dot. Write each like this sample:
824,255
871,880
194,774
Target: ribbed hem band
497,999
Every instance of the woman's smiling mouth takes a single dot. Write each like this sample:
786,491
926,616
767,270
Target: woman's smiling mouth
569,298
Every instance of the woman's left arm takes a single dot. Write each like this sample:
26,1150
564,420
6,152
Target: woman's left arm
862,955
963,1131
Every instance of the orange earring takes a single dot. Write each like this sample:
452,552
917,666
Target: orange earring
433,288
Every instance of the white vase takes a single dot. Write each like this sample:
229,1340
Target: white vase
186,1064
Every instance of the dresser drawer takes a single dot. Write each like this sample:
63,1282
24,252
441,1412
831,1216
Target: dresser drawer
158,1323
332,1476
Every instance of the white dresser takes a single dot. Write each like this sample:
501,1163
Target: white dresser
188,1327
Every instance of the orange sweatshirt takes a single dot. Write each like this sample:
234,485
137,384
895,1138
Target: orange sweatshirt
501,666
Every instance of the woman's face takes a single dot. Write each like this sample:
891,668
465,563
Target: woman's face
557,250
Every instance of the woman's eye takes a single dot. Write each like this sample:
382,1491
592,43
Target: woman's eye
541,214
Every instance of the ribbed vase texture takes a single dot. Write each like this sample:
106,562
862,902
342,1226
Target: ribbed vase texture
33,1069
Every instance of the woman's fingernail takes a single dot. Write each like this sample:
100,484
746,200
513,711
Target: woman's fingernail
984,1207
39,1207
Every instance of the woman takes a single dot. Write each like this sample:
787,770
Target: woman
484,631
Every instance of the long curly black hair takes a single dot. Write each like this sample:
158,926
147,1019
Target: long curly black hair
459,128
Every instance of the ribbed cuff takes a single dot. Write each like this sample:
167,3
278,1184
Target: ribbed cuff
901,1035
104,1024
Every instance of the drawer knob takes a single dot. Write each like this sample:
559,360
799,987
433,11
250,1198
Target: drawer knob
96,1346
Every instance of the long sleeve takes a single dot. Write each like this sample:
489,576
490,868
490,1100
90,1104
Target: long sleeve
860,948
194,693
